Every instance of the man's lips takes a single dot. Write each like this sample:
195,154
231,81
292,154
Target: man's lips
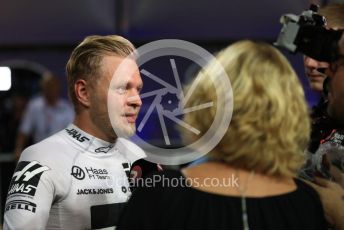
316,77
131,117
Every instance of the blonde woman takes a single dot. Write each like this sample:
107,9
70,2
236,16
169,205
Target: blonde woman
261,153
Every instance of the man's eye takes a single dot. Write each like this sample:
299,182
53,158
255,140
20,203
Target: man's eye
121,90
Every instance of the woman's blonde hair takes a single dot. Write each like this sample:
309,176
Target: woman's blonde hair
270,126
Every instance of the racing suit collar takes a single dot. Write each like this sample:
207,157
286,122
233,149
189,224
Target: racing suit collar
87,141
92,144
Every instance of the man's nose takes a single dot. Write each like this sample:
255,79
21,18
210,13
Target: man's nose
134,99
310,62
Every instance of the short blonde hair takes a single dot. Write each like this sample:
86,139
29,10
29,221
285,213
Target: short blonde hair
85,60
270,126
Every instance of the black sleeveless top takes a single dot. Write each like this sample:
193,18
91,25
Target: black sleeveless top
165,207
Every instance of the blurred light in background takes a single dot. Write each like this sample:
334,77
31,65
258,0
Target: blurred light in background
5,79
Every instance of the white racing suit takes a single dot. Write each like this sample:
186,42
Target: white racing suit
70,180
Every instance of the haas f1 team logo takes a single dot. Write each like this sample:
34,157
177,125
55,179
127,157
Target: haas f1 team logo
26,178
78,173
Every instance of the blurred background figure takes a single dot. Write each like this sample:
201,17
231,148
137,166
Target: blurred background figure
262,150
45,114
10,119
25,82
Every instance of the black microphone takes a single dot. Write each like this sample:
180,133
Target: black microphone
139,170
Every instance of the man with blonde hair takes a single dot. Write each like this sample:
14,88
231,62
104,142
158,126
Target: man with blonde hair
77,178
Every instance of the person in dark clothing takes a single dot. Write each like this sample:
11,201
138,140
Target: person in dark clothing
324,126
250,180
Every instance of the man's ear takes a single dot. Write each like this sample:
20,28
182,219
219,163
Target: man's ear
81,92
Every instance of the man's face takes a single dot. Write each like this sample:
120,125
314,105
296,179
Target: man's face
116,96
315,77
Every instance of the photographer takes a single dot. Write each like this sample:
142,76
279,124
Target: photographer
315,69
322,124
309,34
331,194
335,110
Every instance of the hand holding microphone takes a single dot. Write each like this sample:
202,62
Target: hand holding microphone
140,169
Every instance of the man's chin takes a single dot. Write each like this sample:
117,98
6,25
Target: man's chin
126,131
316,86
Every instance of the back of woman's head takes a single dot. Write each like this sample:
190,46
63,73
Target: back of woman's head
270,126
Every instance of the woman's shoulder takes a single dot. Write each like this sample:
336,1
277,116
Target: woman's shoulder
169,178
306,192
303,187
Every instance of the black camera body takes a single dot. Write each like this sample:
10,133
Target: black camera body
307,34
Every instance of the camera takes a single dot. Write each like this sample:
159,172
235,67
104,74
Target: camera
307,34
